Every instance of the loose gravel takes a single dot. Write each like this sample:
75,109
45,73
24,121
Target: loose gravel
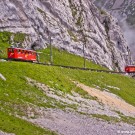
71,123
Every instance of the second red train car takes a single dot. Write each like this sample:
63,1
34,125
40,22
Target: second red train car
130,69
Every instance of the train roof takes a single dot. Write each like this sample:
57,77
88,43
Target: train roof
21,49
130,66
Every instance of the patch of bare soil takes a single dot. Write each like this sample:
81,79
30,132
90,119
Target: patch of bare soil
113,101
87,106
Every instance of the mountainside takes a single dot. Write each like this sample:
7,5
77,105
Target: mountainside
72,26
49,99
124,11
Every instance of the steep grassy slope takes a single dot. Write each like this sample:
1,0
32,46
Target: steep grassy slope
64,58
17,96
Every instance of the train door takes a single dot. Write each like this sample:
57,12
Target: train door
11,53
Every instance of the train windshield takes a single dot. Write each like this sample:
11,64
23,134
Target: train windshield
11,50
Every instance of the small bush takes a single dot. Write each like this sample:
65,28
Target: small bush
19,37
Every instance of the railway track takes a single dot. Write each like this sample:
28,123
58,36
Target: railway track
73,67
79,68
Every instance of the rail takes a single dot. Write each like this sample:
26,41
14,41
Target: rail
79,68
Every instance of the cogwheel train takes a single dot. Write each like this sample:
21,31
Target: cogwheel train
21,54
31,55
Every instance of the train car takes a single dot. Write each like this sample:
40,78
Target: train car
130,69
21,54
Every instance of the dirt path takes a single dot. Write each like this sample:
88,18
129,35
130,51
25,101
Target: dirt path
109,99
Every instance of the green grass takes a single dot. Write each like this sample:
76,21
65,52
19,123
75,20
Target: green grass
61,57
5,41
19,37
11,124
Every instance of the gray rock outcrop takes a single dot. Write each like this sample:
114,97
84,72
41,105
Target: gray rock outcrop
71,24
124,11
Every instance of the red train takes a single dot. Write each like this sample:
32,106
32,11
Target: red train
21,54
130,69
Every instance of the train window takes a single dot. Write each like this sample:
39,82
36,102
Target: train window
11,50
19,51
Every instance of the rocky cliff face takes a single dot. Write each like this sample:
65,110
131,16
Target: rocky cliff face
72,25
124,11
